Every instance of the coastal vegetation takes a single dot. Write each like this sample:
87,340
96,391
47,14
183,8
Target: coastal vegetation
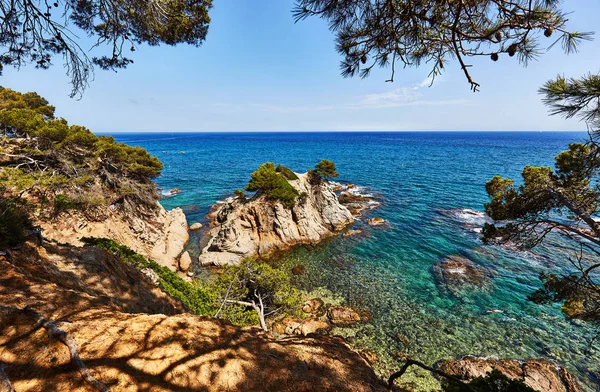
326,169
196,298
14,223
265,290
58,167
244,294
564,201
397,34
266,180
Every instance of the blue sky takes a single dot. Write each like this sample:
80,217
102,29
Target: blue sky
258,71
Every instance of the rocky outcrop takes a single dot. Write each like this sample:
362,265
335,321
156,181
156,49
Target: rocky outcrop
133,337
259,227
153,232
305,327
456,273
542,376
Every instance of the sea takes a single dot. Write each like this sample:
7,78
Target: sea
428,184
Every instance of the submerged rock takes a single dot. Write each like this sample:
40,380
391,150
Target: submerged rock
352,232
298,270
343,316
540,375
456,273
260,227
376,221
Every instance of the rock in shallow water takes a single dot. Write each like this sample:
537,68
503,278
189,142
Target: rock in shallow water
376,221
343,316
261,227
352,232
314,305
456,273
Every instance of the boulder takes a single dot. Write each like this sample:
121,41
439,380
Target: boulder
455,273
540,375
352,232
314,305
343,316
185,261
294,326
174,241
196,226
376,221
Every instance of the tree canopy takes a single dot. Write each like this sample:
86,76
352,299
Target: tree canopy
396,33
266,180
369,33
255,286
35,32
47,158
564,200
326,169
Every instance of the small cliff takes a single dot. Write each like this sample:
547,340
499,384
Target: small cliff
259,226
152,232
100,189
133,337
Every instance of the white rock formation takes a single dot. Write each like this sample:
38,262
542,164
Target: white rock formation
259,227
155,233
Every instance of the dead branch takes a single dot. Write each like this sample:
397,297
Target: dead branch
5,385
67,340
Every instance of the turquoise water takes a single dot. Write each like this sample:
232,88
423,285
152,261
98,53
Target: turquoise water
418,177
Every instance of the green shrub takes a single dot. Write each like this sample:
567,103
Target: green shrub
81,137
14,223
239,194
326,169
195,297
287,173
64,203
266,181
134,161
253,282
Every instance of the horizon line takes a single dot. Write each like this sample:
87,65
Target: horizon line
359,131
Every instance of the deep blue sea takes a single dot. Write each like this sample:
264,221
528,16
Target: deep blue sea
418,177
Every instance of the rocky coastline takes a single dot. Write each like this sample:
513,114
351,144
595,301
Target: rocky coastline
258,227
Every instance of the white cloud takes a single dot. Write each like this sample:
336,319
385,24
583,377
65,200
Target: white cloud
410,95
